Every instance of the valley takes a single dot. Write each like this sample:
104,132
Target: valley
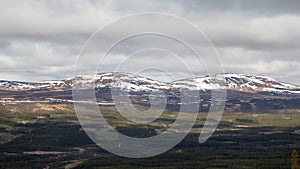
49,136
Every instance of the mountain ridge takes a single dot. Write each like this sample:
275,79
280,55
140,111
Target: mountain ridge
127,81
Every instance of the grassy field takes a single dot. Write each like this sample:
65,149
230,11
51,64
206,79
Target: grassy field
51,137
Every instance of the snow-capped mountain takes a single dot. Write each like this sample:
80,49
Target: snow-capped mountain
131,82
121,80
17,85
238,82
7,85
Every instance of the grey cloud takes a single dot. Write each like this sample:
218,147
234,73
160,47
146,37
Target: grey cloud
253,7
41,39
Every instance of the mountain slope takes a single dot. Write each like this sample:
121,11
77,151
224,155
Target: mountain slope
124,81
238,82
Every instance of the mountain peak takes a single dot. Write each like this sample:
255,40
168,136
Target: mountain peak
239,82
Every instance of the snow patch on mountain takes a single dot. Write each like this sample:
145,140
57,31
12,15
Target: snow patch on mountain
239,82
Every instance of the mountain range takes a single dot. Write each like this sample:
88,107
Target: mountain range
130,82
247,93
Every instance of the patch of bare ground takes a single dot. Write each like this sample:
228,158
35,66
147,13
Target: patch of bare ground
44,152
74,163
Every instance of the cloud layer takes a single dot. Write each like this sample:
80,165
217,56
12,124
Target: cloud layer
41,39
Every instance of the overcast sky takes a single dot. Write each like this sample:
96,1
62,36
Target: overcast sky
40,40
